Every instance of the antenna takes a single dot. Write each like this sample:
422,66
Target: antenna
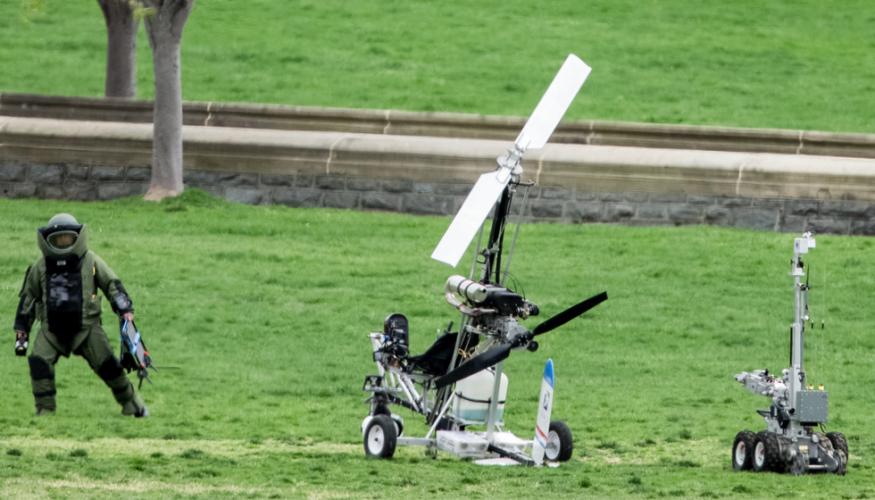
534,135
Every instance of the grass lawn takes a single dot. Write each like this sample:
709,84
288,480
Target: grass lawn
258,318
804,64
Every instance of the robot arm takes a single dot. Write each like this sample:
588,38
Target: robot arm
763,383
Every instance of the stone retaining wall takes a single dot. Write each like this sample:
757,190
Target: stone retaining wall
576,183
79,182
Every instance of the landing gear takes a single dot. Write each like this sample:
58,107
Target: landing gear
560,442
380,437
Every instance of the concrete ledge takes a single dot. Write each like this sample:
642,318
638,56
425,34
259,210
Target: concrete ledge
388,122
440,159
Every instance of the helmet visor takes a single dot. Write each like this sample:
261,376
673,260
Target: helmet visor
62,240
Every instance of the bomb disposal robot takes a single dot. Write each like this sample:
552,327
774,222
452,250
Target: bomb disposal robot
793,440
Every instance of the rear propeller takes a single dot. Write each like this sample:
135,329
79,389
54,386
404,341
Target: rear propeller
499,353
569,314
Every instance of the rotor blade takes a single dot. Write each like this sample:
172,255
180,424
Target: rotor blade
570,313
553,104
491,356
470,217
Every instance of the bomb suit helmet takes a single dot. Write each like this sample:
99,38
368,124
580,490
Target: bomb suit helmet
62,236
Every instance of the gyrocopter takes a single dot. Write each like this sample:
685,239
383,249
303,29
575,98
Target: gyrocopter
458,382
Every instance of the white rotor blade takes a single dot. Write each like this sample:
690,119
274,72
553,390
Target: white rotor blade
470,217
554,103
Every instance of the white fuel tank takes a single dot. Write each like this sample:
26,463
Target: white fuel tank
473,395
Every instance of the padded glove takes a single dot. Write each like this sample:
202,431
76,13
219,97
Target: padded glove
21,339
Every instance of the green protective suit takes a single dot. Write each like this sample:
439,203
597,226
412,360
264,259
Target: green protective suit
61,291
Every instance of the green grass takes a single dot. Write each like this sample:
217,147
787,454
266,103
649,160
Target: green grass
803,64
258,317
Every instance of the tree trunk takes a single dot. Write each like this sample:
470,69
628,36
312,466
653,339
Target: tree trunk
164,27
121,48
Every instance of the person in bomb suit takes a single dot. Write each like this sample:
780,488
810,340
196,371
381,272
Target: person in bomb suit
61,290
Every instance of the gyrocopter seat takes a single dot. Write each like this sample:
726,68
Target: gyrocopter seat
435,361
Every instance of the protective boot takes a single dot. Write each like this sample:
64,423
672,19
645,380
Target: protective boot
42,378
135,407
122,390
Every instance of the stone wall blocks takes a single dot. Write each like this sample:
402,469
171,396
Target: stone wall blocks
81,191
304,181
610,197
717,215
248,196
828,225
277,180
585,196
615,212
772,203
46,174
635,197
757,218
76,173
397,186
802,207
684,214
238,180
735,202
453,189
652,211
546,209
112,190
555,193
12,172
423,187
104,173
49,191
667,198
863,227
700,200
139,173
381,201
199,178
334,182
844,208
340,199
362,184
297,197
793,223
427,204
18,190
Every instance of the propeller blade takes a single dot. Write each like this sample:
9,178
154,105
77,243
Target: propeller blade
470,217
570,313
491,356
553,104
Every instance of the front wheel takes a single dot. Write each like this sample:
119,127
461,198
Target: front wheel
380,437
560,442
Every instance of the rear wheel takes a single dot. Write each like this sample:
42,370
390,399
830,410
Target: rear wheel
560,442
380,437
840,445
742,450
